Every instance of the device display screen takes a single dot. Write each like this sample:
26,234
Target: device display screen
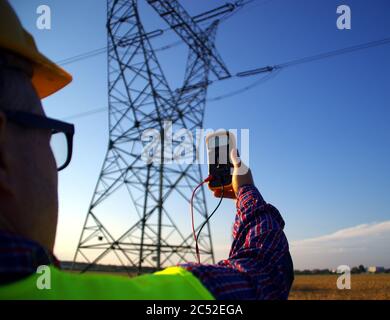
219,160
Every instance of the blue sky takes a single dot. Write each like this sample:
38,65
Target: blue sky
319,132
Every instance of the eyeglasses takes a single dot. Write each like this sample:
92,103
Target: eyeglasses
61,140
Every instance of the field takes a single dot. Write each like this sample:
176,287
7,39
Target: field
323,287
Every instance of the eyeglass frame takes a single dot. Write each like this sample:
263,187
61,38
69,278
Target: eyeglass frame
32,120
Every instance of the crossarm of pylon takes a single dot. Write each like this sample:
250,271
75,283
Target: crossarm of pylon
186,28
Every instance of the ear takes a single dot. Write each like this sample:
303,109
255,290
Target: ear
5,186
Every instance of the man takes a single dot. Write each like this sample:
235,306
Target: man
259,265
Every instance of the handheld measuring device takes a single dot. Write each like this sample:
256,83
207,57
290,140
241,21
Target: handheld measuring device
219,147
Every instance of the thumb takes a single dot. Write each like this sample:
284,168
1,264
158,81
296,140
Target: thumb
235,158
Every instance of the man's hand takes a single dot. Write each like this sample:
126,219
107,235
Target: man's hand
238,179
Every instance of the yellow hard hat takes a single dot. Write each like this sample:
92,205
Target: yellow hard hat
47,76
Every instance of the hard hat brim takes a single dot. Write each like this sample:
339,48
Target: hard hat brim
48,77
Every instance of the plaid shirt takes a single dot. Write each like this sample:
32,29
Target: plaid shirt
259,264
20,257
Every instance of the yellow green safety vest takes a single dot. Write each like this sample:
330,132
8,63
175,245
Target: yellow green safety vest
171,283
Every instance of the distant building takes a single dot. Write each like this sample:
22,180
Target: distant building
375,269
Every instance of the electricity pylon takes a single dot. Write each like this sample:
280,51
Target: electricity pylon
146,227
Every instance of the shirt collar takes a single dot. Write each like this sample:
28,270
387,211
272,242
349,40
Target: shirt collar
20,257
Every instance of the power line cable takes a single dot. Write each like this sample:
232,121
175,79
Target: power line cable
213,99
243,6
85,114
335,53
316,57
95,52
274,70
265,78
271,70
82,56
98,51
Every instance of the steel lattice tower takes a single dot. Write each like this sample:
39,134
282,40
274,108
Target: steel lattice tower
140,99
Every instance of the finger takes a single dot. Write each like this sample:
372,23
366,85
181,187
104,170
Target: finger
226,194
235,158
217,193
230,195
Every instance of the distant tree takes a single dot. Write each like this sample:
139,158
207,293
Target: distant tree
314,271
362,269
355,270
